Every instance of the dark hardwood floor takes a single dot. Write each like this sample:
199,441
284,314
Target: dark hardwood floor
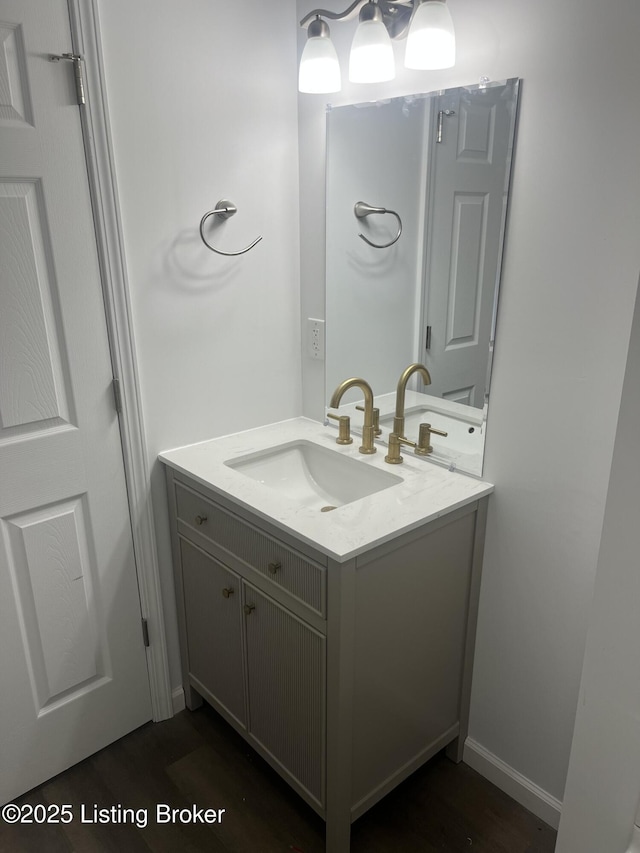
197,759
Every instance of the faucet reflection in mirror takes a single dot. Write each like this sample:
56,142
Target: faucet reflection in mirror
401,390
426,24
423,446
370,429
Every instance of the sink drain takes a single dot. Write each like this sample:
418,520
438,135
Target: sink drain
327,508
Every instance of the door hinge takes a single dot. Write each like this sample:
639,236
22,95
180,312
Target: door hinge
145,633
117,394
78,73
427,338
441,115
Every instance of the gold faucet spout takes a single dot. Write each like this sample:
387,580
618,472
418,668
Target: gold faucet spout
368,429
398,421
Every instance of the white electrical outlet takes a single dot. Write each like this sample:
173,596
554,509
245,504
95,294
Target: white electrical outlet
315,338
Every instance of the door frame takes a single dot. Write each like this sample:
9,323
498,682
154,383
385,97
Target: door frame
94,116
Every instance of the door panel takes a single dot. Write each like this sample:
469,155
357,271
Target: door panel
54,585
465,282
15,103
32,385
72,660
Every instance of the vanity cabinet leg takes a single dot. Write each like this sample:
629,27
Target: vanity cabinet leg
192,699
338,831
454,750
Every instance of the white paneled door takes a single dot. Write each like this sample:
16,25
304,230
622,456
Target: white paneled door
73,674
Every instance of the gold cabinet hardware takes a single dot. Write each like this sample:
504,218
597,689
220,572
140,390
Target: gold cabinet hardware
423,447
200,519
368,433
394,457
376,419
248,609
227,591
344,428
273,567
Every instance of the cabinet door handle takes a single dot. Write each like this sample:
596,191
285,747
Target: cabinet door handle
273,567
200,519
249,608
227,591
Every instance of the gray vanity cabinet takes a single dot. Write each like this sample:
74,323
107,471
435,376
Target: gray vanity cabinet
252,634
345,676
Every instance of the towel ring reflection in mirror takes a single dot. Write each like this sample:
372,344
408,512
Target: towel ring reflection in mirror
223,209
362,209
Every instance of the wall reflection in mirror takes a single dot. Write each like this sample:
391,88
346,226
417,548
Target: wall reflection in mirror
415,279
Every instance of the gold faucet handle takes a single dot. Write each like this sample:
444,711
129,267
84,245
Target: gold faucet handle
376,419
344,428
423,447
394,457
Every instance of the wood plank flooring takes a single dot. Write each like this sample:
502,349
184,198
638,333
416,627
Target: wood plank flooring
196,758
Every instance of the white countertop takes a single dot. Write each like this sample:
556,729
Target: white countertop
426,492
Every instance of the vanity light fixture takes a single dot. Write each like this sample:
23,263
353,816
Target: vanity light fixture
426,24
431,42
371,58
319,66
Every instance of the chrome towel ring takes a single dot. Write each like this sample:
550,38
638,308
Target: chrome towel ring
224,209
362,209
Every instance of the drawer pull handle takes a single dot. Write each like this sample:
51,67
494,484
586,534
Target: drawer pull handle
273,567
249,608
227,591
200,519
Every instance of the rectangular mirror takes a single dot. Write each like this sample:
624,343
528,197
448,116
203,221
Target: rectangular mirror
417,194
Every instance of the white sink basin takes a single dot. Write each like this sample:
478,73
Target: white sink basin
463,436
313,476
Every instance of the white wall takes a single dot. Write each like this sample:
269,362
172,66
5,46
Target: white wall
603,786
203,106
569,279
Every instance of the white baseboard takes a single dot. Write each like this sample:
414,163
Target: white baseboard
177,700
517,786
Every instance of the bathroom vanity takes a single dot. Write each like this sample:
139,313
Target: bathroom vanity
338,643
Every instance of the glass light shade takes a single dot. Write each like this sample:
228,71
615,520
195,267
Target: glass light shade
431,42
319,67
371,58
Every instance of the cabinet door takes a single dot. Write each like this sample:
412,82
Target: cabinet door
286,681
213,614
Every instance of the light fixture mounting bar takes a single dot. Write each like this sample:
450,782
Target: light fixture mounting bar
395,14
349,13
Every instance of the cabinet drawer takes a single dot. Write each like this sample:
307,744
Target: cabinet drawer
285,567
